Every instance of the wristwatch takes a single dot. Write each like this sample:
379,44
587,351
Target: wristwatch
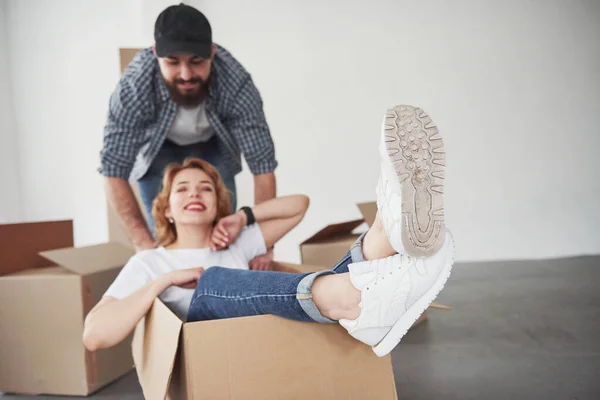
249,215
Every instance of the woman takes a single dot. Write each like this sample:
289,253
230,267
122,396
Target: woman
375,292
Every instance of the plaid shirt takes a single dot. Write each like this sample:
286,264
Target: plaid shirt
141,113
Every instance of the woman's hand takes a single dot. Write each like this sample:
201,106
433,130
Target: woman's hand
262,262
185,278
227,230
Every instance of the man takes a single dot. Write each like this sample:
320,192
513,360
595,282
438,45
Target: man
184,97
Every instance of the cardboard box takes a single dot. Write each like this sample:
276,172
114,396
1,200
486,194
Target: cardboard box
330,244
44,297
260,357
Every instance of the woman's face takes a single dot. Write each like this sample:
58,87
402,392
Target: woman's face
193,198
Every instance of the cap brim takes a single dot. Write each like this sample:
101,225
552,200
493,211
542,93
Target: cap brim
168,49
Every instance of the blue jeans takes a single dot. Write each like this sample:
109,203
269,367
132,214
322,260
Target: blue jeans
151,183
228,293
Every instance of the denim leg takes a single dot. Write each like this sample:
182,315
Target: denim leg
151,183
229,182
229,293
149,188
353,256
356,249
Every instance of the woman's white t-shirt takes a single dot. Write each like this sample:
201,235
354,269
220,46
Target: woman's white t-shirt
147,265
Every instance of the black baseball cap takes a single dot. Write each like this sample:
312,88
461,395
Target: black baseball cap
182,29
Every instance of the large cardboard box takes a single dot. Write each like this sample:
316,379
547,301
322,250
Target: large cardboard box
261,357
44,296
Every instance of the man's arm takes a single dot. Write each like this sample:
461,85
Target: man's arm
121,198
250,128
127,120
265,187
254,137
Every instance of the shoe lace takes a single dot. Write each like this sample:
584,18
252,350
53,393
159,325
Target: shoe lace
385,267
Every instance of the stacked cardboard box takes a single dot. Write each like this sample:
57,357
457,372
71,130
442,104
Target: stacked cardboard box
44,297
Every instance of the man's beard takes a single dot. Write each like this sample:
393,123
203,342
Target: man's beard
187,98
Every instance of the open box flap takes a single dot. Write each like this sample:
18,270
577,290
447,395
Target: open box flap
90,259
126,56
333,230
154,347
21,243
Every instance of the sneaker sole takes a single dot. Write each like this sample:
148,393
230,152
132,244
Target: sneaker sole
407,320
416,150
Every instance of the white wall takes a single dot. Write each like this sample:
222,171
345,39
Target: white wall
513,85
9,183
62,75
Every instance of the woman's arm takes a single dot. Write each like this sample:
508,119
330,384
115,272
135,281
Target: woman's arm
112,320
276,217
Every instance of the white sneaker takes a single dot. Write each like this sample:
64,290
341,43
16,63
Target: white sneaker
411,185
395,291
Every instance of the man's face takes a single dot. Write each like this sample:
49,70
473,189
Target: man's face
186,77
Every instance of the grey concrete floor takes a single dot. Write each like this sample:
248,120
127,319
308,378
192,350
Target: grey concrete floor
517,330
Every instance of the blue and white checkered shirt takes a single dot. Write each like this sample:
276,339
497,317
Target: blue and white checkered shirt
141,113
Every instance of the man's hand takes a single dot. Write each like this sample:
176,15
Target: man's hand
185,278
262,262
227,230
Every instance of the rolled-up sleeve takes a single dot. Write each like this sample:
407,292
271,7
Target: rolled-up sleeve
251,130
124,131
